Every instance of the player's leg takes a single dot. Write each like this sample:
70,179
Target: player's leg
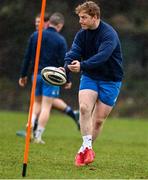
35,113
45,110
36,109
59,104
37,100
108,93
87,100
37,103
88,95
100,114
48,93
43,118
62,106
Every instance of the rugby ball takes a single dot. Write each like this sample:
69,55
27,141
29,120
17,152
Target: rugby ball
53,75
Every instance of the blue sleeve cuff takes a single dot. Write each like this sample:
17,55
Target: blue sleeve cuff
82,66
68,75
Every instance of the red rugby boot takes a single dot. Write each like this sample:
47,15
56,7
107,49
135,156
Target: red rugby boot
89,156
79,159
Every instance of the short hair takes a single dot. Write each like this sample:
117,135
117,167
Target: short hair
56,18
46,16
89,7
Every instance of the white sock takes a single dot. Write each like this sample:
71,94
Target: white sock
39,132
87,142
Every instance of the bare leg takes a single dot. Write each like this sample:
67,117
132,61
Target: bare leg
43,118
87,100
37,105
59,104
100,113
45,111
36,112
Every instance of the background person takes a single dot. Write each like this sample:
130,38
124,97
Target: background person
96,52
58,103
53,49
46,21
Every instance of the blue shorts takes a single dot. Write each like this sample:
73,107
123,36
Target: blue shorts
108,91
44,89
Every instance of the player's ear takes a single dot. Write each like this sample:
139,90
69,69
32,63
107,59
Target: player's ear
59,27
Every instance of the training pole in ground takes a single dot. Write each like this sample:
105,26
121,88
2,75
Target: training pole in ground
27,142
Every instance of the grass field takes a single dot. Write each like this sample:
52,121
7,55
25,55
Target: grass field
121,150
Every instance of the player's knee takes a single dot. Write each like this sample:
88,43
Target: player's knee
37,113
83,108
45,112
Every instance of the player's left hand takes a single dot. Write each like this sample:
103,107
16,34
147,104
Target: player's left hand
74,66
23,81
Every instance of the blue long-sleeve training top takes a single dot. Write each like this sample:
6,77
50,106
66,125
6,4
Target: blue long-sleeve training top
52,53
99,53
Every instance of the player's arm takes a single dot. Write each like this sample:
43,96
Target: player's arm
75,52
62,52
25,65
73,57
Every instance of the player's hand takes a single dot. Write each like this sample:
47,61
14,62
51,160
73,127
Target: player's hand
61,68
74,66
68,85
23,81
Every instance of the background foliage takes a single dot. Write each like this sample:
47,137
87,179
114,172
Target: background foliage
129,18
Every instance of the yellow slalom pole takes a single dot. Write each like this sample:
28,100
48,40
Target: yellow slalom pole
27,142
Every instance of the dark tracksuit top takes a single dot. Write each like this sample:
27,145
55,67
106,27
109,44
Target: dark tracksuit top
99,53
53,49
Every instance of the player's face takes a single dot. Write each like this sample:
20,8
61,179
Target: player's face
86,21
37,22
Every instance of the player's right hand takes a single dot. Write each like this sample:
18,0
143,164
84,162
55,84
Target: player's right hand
74,66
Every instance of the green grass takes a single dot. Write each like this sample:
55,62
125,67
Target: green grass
121,150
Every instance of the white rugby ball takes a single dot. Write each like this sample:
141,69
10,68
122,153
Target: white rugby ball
54,76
